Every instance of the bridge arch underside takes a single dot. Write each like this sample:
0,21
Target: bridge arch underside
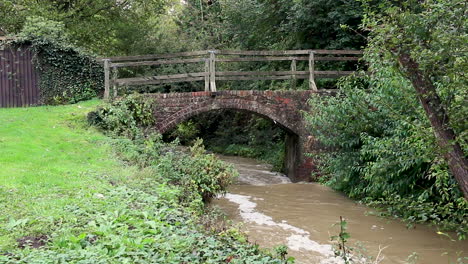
171,122
283,112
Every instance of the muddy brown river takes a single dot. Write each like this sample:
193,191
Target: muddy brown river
275,211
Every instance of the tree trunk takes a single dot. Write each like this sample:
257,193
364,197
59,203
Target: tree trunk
430,100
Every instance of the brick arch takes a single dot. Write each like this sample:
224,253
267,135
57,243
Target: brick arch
282,107
171,122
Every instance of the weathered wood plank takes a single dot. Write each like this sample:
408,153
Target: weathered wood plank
250,73
332,74
287,52
157,62
299,75
302,58
230,52
207,75
338,52
106,79
212,71
312,84
115,75
157,56
245,59
161,77
140,82
252,78
336,58
293,76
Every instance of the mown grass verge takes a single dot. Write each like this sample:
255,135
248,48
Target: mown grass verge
70,194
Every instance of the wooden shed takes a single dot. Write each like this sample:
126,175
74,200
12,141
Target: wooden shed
19,78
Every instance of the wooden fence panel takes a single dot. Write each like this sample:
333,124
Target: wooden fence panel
19,79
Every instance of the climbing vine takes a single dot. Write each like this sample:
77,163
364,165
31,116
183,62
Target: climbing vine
67,74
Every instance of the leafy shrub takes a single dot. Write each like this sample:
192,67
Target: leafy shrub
185,132
197,174
383,151
36,27
204,173
125,117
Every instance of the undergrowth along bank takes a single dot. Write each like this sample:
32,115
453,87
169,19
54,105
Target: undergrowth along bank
142,204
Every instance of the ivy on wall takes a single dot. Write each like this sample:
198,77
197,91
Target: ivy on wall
67,75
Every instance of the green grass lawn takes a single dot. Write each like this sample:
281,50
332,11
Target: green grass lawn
66,196
47,156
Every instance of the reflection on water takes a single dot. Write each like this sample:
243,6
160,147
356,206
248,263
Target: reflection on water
301,216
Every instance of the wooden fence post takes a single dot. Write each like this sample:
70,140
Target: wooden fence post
312,84
114,81
293,76
106,79
207,76
212,71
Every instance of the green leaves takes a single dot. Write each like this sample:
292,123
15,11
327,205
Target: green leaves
67,75
136,226
382,148
127,117
42,29
100,26
16,223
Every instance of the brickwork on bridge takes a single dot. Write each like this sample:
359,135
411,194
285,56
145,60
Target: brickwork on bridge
283,107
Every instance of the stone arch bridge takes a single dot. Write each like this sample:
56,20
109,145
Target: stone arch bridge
284,108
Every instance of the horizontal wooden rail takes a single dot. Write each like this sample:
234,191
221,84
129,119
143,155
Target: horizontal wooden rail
251,78
303,58
287,52
332,74
231,52
139,80
157,62
327,74
157,56
211,57
248,73
155,81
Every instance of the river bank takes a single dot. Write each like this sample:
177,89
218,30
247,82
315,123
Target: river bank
71,194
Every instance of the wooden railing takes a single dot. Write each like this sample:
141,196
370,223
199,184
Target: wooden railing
210,57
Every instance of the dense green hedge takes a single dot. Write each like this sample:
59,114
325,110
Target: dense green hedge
67,75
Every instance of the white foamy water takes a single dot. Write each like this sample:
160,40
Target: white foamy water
299,238
255,174
286,213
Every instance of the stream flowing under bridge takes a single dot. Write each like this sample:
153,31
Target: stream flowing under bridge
284,108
